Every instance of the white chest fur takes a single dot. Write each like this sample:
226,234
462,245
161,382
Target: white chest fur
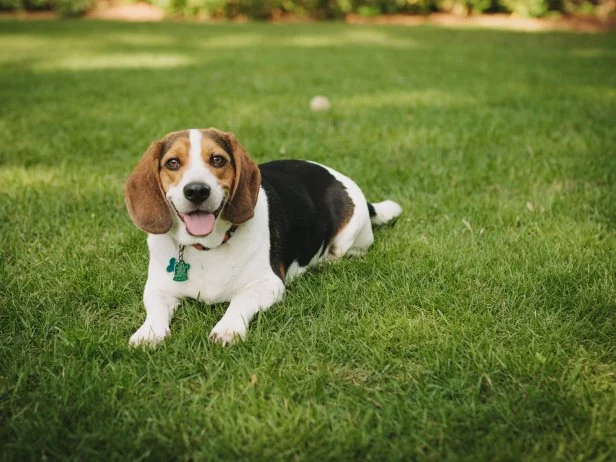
215,275
237,271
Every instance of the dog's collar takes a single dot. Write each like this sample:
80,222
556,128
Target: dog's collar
180,268
228,235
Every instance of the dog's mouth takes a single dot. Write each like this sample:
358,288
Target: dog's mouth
199,223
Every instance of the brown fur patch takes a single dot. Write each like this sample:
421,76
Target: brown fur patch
282,271
246,179
146,204
178,148
346,207
172,137
225,175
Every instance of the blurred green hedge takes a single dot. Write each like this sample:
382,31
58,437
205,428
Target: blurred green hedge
336,9
324,9
65,8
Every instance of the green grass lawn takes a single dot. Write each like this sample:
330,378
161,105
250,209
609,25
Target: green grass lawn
482,325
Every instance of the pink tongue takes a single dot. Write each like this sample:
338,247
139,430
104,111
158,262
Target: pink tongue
199,223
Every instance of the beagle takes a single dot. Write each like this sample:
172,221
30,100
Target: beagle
223,229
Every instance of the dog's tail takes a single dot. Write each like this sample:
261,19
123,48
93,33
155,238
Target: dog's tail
383,212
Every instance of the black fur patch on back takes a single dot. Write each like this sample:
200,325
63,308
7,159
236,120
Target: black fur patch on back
307,208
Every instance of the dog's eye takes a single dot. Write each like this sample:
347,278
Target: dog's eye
218,161
172,164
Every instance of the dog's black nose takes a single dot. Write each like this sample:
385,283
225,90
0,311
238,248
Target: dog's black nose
196,192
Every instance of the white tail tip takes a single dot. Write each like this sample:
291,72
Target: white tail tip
385,212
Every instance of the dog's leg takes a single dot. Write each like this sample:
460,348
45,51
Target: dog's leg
257,297
159,309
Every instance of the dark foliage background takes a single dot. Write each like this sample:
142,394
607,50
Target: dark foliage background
329,9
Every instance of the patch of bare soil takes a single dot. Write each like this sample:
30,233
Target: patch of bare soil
589,24
136,12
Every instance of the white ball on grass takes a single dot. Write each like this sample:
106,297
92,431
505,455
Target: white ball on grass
320,103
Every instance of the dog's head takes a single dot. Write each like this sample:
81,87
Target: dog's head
192,178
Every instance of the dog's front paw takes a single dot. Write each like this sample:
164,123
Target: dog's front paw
149,334
227,331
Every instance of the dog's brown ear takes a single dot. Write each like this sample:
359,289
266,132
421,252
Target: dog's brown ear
144,196
246,185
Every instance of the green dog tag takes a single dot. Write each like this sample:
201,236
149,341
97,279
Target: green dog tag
179,267
181,271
